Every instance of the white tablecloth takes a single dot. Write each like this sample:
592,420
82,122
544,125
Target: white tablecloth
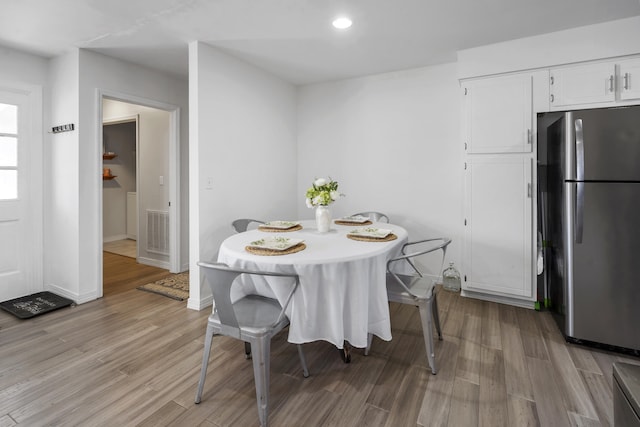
342,293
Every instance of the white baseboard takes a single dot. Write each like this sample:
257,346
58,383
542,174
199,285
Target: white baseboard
499,299
114,238
198,305
77,298
154,262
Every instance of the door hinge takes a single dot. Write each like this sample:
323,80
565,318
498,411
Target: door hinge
465,91
465,165
465,221
465,146
169,203
551,80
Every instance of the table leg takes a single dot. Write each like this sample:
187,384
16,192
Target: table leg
345,352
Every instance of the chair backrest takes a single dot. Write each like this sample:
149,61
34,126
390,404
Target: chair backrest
420,248
374,216
220,278
242,224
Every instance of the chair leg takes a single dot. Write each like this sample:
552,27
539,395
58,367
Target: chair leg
205,362
303,360
436,315
247,350
427,331
260,351
369,341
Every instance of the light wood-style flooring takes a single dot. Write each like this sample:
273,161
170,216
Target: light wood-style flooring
122,273
126,247
133,358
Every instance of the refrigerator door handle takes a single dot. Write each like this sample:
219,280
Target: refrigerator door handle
579,151
579,215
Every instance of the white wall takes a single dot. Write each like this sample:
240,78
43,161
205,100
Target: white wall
62,182
609,39
392,143
243,141
73,207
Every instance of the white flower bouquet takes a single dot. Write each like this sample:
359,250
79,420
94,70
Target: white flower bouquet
323,192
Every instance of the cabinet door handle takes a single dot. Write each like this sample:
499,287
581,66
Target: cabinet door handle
529,190
611,83
626,81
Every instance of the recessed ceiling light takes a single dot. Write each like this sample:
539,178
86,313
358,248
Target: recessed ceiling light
342,23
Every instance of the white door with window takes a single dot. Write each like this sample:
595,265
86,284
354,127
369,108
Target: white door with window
17,273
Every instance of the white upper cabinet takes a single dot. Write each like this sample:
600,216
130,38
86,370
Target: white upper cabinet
498,114
629,79
582,84
601,84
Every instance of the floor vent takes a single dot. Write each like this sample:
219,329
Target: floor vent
158,232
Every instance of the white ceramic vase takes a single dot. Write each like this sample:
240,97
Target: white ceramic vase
323,218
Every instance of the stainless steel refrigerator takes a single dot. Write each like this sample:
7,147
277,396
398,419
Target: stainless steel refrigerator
593,225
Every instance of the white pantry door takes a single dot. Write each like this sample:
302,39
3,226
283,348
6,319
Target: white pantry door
14,197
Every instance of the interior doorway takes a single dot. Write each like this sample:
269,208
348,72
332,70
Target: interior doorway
140,180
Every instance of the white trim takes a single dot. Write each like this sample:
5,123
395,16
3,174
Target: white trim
115,238
153,262
499,299
195,304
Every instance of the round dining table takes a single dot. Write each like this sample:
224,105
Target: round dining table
342,292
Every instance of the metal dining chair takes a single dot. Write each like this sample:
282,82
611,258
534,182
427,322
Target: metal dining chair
253,318
242,224
374,216
417,289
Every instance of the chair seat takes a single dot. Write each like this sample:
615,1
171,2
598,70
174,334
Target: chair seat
256,315
421,288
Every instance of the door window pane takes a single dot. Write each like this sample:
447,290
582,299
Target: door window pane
8,151
8,118
8,184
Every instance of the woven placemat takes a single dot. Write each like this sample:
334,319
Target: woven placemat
388,238
279,230
270,252
340,222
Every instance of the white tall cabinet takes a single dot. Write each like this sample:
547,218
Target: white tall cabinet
499,139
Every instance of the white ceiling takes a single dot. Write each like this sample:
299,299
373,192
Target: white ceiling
292,38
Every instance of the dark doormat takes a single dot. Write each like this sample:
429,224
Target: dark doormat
34,305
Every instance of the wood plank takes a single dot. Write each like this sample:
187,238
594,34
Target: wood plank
531,335
464,404
493,390
164,416
548,398
516,374
580,421
436,403
406,406
601,395
491,326
572,387
522,412
468,366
